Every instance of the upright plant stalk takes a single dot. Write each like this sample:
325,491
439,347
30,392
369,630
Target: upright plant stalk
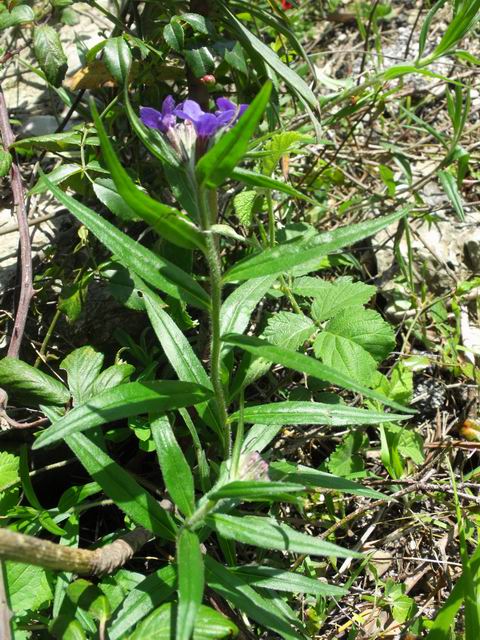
207,214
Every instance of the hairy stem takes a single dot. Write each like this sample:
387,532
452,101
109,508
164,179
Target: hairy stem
215,269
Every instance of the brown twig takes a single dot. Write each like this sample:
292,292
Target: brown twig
26,287
43,553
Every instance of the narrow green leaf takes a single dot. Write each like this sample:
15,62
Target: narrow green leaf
265,182
127,400
167,221
332,415
218,163
449,185
176,472
118,58
255,490
147,595
267,533
293,80
240,304
24,383
289,581
285,471
125,492
181,356
282,258
234,589
5,162
191,582
305,364
158,272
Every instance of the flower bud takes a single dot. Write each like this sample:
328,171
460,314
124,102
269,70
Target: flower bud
208,79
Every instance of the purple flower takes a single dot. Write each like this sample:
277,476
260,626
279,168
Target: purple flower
207,124
162,120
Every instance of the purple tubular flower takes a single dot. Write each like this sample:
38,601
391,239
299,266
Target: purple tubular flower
162,120
207,124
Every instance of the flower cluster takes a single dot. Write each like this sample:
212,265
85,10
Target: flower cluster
204,124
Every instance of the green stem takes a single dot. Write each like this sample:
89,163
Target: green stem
215,268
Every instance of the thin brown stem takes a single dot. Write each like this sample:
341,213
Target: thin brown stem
26,285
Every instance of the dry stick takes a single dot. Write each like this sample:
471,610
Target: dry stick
43,553
26,287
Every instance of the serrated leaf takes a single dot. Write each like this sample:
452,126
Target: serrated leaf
280,144
125,401
24,383
49,54
83,366
118,58
292,412
190,583
332,297
218,163
286,256
210,625
198,22
27,587
8,469
366,328
176,472
5,162
346,356
158,272
289,330
267,533
244,203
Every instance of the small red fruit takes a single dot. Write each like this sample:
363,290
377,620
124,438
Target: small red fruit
208,79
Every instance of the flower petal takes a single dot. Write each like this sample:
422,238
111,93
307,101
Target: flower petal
168,106
207,125
151,117
189,110
224,104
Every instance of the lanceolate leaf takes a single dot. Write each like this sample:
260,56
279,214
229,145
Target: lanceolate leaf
270,534
147,595
218,163
176,473
181,356
23,382
127,400
284,257
166,220
255,490
49,53
314,413
158,272
265,182
233,588
240,304
304,364
280,580
125,492
297,84
190,583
